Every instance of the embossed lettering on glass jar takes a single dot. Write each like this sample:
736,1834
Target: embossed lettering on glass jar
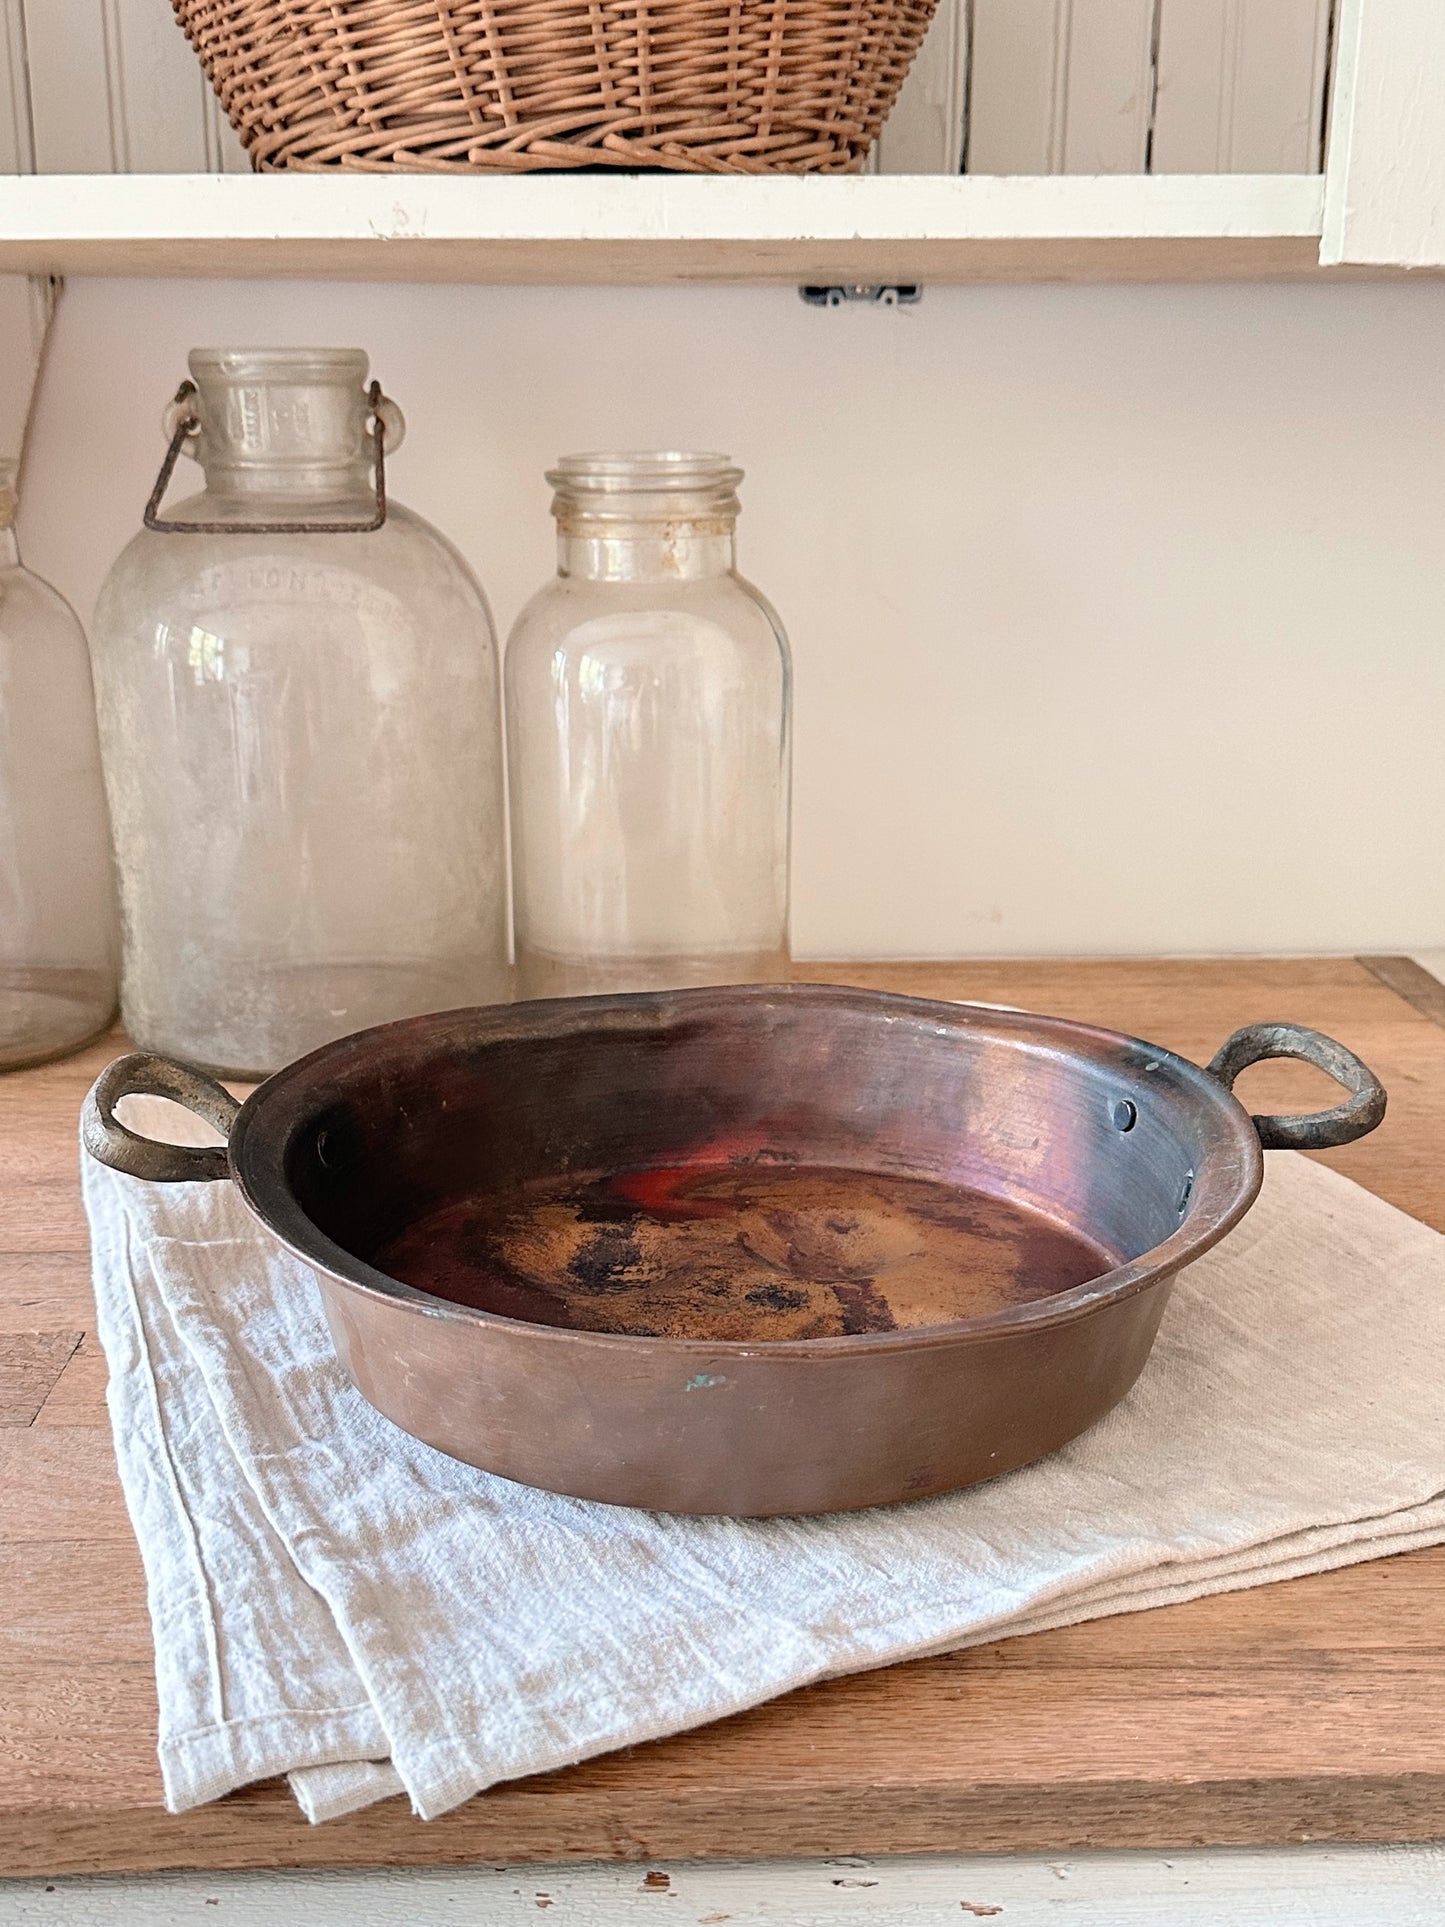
301,733
648,729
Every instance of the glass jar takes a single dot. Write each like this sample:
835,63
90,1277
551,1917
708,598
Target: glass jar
648,693
301,732
57,895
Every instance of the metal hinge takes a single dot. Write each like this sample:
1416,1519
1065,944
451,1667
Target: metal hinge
886,294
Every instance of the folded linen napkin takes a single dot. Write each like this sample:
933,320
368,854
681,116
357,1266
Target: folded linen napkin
333,1600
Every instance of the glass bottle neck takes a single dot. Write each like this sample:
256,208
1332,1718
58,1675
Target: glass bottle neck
9,548
668,552
283,424
287,482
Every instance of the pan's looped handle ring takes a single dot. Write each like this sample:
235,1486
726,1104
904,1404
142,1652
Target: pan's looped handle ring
1321,1130
145,1075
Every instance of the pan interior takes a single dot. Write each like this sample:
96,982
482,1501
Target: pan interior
737,1165
761,1251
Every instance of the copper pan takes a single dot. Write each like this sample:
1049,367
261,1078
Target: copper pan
745,1250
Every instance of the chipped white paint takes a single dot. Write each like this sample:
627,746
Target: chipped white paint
651,227
1310,1886
568,208
1385,171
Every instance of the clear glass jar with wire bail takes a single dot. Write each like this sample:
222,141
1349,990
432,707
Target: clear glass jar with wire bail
648,703
300,721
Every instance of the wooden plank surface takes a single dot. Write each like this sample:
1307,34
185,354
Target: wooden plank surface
1412,981
1309,1710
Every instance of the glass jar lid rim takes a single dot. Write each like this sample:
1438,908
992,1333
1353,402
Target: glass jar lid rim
280,364
645,472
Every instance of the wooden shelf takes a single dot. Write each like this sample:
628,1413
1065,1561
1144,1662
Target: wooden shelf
1312,1709
657,228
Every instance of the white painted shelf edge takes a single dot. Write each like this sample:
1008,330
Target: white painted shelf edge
660,227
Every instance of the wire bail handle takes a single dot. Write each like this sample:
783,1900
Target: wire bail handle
184,422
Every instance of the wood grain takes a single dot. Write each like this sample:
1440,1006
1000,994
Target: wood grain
30,1368
78,1394
1308,1710
1410,980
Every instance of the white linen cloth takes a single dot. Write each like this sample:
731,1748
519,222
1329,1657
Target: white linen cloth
333,1600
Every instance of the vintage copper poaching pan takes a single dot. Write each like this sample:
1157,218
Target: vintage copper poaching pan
982,1213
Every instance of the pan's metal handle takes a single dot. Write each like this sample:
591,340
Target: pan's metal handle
1322,1129
144,1075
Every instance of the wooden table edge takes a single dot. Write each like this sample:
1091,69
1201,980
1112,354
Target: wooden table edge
262,1828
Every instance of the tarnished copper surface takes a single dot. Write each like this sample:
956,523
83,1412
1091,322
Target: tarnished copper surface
748,1250
763,1251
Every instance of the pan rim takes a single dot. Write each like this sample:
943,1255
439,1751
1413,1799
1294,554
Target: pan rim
1225,1186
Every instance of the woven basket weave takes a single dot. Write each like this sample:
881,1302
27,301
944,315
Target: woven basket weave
462,86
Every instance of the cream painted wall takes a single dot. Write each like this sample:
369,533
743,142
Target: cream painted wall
1118,613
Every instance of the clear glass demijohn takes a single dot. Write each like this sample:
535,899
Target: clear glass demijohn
57,895
648,740
301,733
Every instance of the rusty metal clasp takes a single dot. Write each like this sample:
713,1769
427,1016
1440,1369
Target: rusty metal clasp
187,423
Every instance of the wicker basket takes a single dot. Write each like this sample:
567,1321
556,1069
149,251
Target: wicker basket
463,86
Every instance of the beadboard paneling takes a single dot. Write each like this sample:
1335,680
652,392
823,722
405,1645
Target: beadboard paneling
16,151
162,100
71,64
1060,86
1241,86
1171,86
115,89
925,132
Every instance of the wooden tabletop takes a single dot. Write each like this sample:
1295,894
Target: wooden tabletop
1313,1709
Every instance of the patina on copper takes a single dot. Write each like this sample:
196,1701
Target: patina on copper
748,1250
765,1251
